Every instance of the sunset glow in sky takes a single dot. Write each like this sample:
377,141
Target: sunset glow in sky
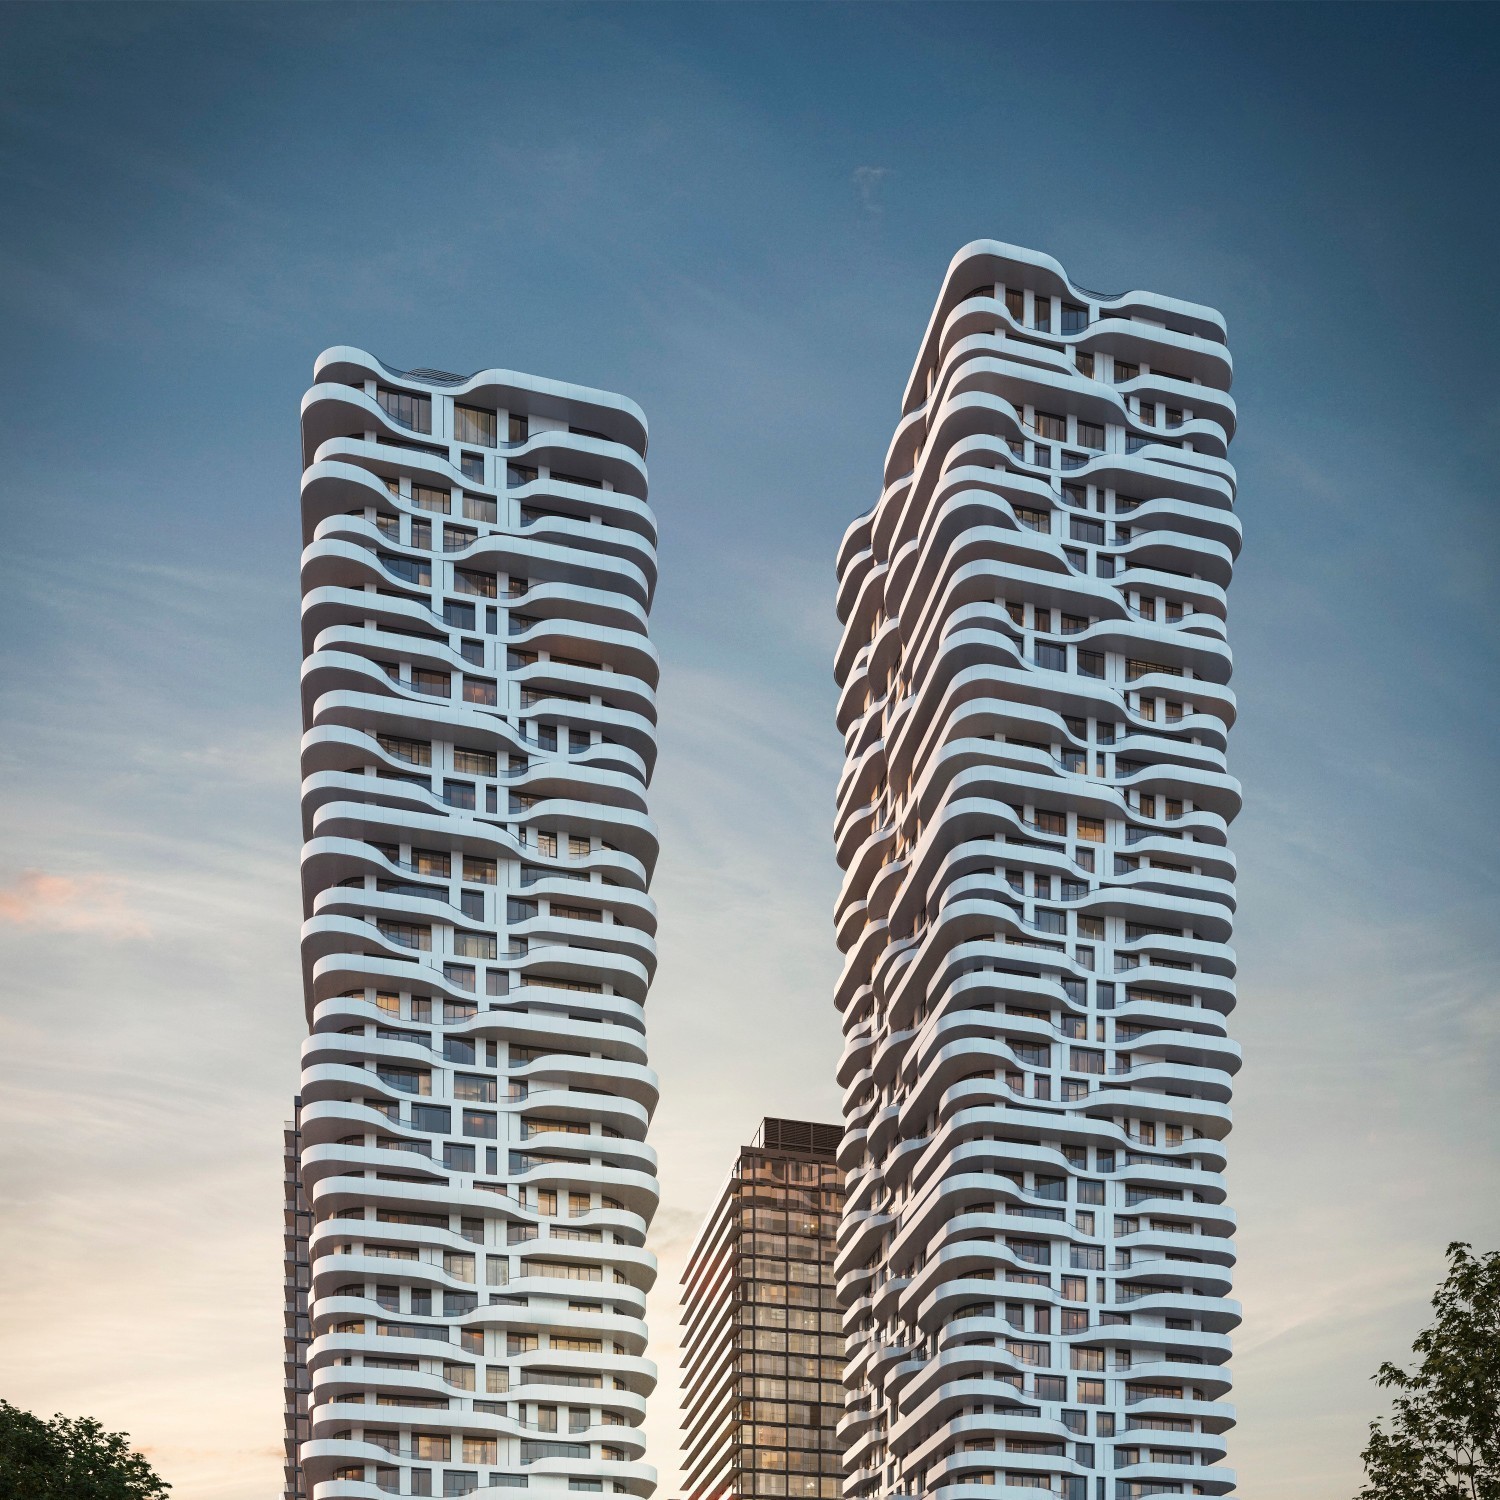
739,216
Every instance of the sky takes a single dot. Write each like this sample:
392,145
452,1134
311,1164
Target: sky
739,215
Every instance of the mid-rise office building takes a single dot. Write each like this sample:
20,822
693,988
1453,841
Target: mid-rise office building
762,1339
1037,901
469,1186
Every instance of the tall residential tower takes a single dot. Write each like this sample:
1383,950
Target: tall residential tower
762,1341
468,1181
1035,1255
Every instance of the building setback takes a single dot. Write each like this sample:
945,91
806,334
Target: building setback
468,1184
762,1347
1037,899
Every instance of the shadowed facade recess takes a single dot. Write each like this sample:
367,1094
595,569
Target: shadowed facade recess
1035,915
469,1187
763,1352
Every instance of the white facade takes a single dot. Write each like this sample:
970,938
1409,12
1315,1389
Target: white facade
1035,915
469,1184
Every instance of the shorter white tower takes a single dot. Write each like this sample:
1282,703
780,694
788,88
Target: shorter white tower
469,1186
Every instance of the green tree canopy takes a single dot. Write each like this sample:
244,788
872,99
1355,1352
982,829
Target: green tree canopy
70,1459
1442,1438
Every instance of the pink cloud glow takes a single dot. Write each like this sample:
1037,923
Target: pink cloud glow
61,903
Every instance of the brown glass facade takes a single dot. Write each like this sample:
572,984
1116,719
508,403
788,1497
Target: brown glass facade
763,1348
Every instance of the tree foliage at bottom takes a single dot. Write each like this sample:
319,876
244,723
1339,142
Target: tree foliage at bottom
70,1458
1442,1438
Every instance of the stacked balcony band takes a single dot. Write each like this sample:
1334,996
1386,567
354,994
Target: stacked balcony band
1035,1254
480,731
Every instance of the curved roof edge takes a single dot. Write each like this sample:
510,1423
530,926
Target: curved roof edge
341,360
1003,255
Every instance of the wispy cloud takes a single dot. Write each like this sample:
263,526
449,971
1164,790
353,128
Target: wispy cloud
63,903
867,184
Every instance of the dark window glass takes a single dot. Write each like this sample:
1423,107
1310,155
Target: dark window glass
472,424
405,409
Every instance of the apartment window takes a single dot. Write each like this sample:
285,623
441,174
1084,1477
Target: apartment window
1042,314
1135,669
483,693
479,1122
1085,362
1037,520
1051,822
1050,1388
1091,435
475,1088
1054,658
474,945
1083,530
1090,663
471,466
466,581
405,409
473,424
458,1159
456,1482
1015,304
410,752
433,684
479,870
519,474
424,497
1051,427
1091,1392
413,570
406,935
475,762
459,795
1125,371
458,616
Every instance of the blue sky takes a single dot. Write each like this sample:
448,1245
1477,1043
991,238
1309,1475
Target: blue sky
739,215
